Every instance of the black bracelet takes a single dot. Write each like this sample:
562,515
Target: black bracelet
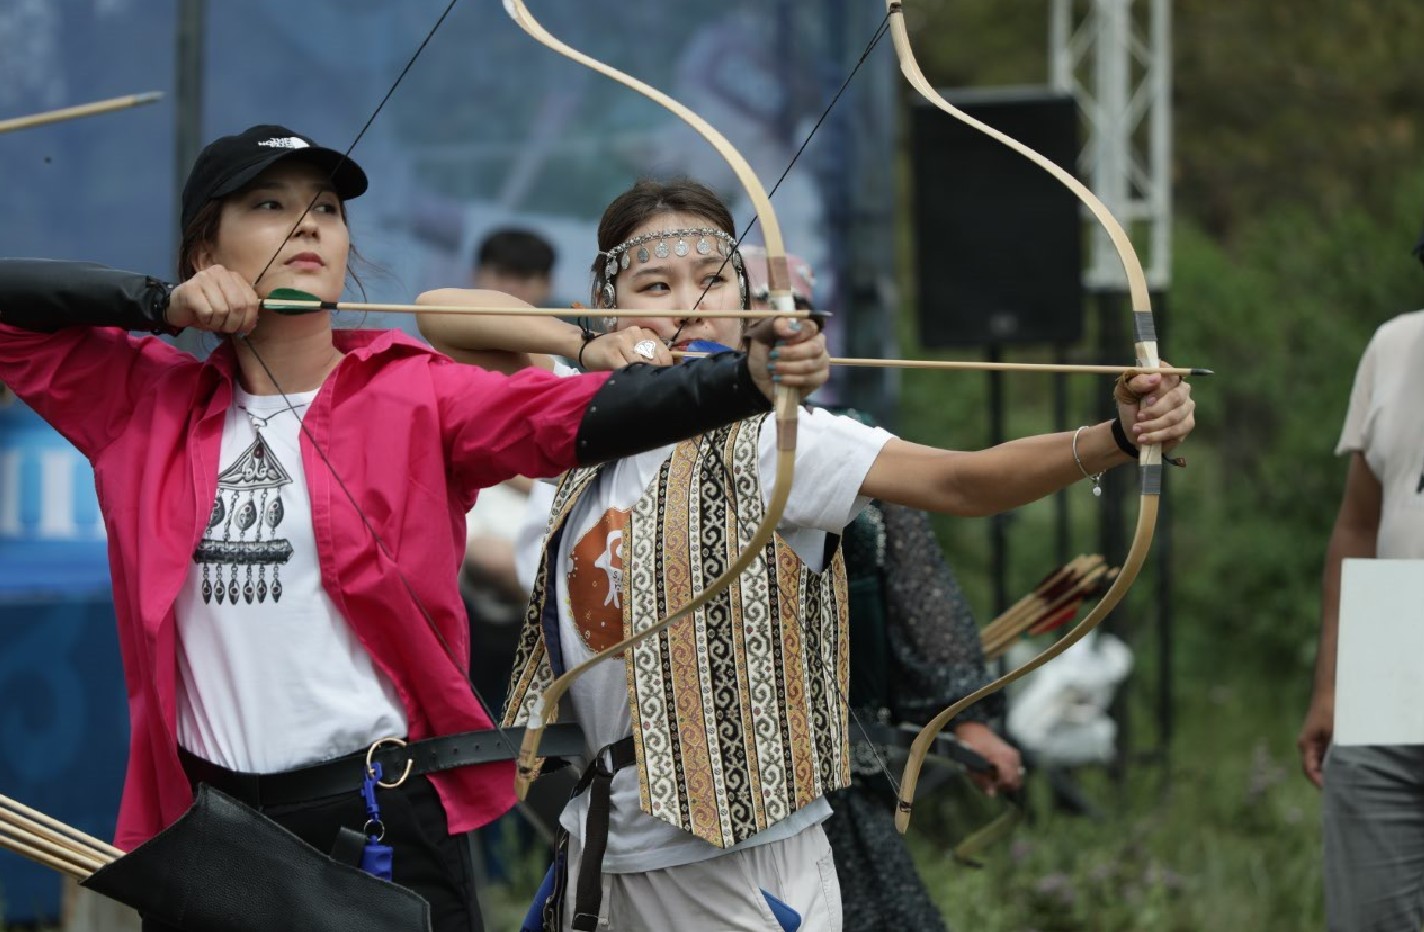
1120,436
588,337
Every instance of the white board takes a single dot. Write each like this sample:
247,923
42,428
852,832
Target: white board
1379,671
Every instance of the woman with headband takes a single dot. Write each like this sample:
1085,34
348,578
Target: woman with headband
712,746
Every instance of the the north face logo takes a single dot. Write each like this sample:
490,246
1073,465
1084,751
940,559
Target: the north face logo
285,142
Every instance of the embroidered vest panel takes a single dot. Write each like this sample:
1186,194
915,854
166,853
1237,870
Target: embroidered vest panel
738,712
534,669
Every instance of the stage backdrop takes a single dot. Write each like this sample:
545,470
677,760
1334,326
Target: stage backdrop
489,129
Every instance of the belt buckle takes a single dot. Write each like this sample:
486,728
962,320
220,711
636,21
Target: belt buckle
371,753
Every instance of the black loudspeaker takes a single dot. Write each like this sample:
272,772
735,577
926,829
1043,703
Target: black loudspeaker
998,241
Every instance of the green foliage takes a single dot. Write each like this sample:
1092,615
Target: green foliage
1231,843
1282,316
1299,193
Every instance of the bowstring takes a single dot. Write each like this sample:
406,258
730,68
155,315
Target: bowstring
879,34
306,431
346,156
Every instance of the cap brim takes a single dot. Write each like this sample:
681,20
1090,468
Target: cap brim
346,177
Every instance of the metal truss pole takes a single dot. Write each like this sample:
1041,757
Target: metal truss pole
1114,57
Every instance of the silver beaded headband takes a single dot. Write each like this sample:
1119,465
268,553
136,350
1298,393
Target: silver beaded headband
620,257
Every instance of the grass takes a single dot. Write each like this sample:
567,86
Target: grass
1226,838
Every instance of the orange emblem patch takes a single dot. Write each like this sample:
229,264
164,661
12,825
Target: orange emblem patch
596,581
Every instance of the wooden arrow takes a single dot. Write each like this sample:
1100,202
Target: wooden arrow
82,110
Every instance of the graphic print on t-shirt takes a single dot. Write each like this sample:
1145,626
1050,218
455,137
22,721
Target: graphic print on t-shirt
240,539
596,580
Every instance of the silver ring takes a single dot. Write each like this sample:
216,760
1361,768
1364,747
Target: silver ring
645,348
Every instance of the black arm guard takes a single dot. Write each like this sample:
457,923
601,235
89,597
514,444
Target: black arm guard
644,407
44,295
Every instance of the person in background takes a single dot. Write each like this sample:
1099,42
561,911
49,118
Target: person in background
517,262
520,263
1373,807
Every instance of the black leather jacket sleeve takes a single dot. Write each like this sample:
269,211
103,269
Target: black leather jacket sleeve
45,295
644,407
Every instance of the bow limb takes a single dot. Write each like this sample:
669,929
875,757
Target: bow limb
1150,457
779,277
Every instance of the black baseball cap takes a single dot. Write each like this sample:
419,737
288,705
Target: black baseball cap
230,163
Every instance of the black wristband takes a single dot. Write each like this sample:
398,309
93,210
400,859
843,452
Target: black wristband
588,337
1123,444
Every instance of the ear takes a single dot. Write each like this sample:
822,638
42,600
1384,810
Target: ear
202,257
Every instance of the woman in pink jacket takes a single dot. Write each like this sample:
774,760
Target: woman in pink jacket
285,518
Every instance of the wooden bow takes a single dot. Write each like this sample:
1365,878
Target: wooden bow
786,399
1150,459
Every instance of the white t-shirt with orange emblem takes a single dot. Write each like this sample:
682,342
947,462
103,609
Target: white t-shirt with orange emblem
833,455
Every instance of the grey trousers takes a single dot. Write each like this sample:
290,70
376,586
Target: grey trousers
1373,814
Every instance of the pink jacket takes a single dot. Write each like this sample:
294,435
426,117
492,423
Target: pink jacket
412,434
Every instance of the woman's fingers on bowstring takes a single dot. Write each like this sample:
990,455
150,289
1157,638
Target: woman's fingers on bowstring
215,299
241,301
642,342
639,344
624,347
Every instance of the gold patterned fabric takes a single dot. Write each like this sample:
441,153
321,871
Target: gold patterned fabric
737,711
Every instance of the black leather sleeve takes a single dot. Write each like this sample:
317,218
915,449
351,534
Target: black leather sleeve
644,407
45,295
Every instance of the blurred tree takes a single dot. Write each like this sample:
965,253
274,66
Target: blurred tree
1299,190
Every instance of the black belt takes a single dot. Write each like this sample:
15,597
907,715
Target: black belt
344,774
598,780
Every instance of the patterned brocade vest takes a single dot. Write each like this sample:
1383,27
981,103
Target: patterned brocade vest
738,712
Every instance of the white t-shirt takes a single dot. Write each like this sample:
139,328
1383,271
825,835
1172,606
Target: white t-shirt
1385,423
833,455
496,514
271,677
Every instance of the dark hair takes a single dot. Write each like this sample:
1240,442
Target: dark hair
516,252
202,233
646,200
